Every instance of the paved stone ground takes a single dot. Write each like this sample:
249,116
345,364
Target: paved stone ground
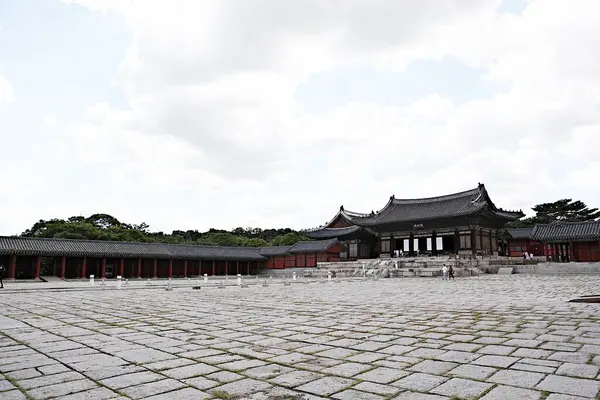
489,337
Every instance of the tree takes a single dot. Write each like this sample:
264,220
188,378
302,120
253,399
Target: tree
565,210
288,239
107,227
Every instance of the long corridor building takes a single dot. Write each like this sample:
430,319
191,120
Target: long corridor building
30,258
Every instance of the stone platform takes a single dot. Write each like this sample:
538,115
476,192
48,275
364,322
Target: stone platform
487,337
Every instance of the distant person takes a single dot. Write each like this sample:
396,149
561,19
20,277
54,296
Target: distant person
1,276
450,272
444,272
525,255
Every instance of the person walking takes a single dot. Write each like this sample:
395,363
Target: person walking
450,272
1,276
444,272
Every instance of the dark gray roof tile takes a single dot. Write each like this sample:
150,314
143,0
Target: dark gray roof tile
520,233
567,231
99,248
327,233
274,251
313,246
452,205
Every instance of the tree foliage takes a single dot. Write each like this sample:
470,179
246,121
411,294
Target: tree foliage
565,210
107,227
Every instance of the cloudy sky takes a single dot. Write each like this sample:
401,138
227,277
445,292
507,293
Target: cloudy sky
198,114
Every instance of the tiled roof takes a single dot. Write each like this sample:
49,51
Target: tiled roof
520,233
312,246
274,251
567,231
343,214
101,248
452,205
331,232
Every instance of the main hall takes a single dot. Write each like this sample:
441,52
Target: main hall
466,223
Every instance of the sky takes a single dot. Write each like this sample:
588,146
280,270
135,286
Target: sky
198,114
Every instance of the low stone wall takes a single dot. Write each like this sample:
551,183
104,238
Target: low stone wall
559,268
512,261
399,267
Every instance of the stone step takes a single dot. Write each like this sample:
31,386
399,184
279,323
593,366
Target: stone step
506,271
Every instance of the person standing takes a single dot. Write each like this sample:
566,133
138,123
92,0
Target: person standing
444,272
450,272
1,276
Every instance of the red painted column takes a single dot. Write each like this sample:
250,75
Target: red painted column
226,267
122,267
38,263
185,268
63,267
248,267
155,268
213,267
103,269
12,269
139,272
83,267
170,267
238,267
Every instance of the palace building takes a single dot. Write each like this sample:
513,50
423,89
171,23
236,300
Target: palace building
465,223
517,241
31,258
569,241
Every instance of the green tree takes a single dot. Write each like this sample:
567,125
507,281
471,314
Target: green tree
565,210
106,227
288,239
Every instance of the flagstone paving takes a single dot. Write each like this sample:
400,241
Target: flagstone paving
487,337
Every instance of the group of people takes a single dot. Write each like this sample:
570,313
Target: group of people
397,253
527,255
447,272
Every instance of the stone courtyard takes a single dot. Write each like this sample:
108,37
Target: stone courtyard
489,337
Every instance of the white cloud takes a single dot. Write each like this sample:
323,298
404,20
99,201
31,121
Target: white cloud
213,116
49,120
7,91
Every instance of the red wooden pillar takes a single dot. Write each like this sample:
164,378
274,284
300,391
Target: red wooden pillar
248,267
83,267
213,267
122,267
155,268
139,271
103,268
185,268
63,267
12,269
238,267
170,267
38,263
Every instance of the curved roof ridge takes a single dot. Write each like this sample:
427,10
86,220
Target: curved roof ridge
80,240
452,196
571,222
120,242
338,228
351,214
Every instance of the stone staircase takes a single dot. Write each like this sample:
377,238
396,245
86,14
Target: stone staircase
384,268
